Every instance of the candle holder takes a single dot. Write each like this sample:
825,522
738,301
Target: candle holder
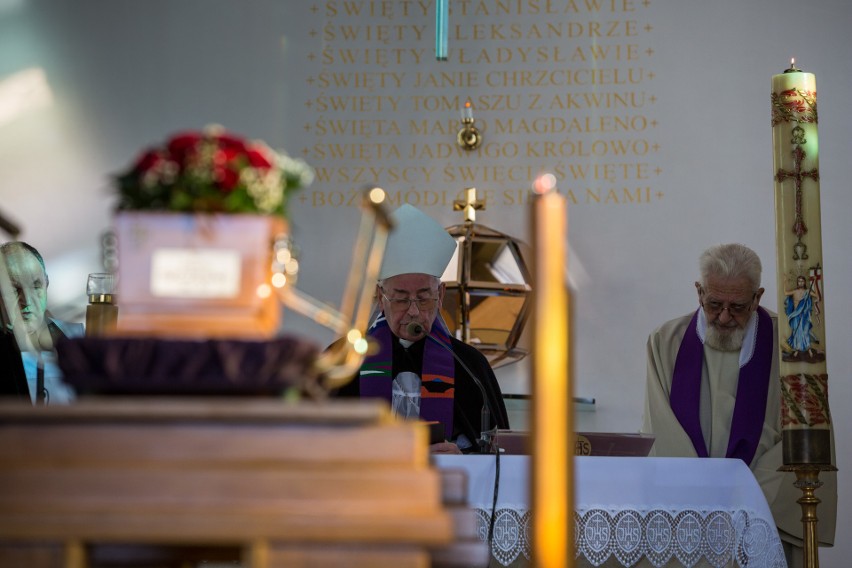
102,311
807,479
468,138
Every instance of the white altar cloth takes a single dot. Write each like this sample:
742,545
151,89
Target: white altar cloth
634,511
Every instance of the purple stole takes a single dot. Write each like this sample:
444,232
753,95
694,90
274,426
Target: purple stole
376,375
752,390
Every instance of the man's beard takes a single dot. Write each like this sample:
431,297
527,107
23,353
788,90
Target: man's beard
731,341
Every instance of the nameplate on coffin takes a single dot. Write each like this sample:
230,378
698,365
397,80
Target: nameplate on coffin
188,273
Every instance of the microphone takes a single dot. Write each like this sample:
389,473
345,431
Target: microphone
414,328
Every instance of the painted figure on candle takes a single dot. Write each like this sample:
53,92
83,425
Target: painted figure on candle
801,303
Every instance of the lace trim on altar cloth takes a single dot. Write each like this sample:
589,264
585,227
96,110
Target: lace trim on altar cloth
687,537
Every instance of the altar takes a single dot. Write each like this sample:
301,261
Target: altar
633,511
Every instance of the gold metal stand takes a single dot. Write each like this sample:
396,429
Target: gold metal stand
337,365
807,479
469,137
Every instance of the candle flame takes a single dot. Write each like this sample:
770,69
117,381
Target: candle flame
467,112
377,195
792,68
544,183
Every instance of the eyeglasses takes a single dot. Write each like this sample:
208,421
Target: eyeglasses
714,308
403,304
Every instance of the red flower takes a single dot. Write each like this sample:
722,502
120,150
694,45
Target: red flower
230,143
182,145
211,170
226,178
147,161
257,158
225,155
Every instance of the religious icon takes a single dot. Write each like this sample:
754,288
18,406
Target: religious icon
802,306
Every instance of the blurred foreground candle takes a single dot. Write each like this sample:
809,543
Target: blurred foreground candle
805,416
551,415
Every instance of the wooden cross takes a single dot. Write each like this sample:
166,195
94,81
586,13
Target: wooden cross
470,205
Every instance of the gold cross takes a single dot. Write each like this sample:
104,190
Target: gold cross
470,205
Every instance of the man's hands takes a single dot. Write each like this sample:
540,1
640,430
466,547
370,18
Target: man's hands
444,448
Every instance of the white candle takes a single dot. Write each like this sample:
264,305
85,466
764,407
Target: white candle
467,112
801,314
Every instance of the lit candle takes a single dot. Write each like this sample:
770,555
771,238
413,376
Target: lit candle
467,112
805,418
552,425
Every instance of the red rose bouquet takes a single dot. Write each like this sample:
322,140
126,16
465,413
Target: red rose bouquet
212,171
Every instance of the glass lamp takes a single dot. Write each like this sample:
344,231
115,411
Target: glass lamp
488,288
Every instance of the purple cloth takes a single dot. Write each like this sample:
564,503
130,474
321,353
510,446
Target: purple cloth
94,365
436,401
752,391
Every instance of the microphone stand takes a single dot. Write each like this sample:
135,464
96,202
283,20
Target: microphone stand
485,426
485,414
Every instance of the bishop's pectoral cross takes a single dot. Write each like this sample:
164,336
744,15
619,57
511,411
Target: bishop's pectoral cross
470,205
798,176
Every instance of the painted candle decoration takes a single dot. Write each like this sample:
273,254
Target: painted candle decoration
805,416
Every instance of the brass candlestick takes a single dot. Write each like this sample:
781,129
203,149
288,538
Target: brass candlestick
338,364
468,138
807,479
